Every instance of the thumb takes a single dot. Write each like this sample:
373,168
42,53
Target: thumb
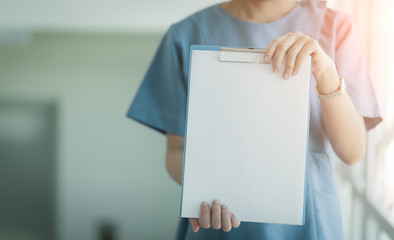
195,225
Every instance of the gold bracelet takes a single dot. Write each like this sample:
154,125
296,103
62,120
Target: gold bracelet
337,93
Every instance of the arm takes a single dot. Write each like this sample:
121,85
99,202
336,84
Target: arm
174,156
344,127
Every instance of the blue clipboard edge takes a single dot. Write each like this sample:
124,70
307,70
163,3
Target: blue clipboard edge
217,48
307,142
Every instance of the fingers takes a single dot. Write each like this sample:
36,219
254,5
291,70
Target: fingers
205,219
269,52
216,221
195,224
292,56
277,55
226,221
217,217
308,49
296,47
234,220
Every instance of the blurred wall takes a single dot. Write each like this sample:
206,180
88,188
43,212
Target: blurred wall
109,169
97,15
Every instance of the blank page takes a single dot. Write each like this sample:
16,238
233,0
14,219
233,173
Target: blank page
246,139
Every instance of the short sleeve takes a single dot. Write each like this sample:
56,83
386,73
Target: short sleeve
160,102
352,65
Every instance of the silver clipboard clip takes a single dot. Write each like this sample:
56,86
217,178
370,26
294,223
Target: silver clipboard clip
223,57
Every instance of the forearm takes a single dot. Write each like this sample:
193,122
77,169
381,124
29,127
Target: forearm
174,164
343,125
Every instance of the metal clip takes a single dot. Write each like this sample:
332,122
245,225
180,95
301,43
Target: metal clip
242,55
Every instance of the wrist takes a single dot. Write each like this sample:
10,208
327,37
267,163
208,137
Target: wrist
341,90
327,81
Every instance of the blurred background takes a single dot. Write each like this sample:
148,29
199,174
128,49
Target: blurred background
72,166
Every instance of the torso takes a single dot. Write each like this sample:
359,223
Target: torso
215,26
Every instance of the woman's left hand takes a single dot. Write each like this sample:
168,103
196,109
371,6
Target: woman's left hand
297,47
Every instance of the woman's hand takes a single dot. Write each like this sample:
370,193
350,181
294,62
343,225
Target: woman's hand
297,47
219,217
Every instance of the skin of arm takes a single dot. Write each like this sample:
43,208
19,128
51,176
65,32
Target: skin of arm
174,156
344,127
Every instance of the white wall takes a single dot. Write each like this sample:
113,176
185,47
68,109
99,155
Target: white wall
97,15
109,168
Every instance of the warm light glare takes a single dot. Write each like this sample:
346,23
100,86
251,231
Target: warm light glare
385,169
388,180
392,15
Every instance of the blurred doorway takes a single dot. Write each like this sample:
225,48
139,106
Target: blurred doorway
27,170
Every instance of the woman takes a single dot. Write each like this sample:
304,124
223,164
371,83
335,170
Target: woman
295,29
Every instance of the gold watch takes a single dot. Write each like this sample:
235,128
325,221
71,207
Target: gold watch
337,93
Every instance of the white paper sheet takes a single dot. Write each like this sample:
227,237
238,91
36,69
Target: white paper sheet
246,139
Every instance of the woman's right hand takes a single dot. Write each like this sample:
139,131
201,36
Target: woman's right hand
219,217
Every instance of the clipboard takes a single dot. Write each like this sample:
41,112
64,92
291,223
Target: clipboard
246,136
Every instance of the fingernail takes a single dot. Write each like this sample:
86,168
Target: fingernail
294,72
216,201
286,76
275,69
205,204
224,206
265,58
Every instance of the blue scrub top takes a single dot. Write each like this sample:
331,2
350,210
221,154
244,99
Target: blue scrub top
160,102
